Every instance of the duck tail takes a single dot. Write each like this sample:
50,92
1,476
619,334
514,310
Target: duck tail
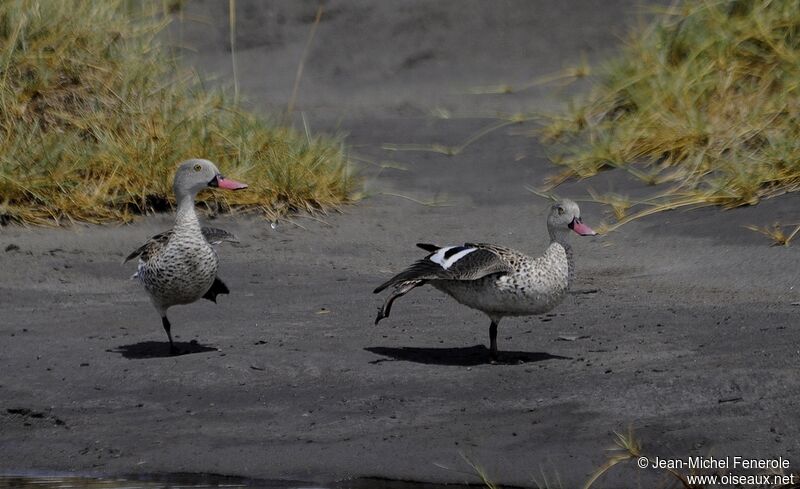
217,288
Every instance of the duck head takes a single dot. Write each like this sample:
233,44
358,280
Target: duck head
195,175
565,215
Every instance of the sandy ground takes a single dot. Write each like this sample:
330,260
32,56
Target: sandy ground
681,325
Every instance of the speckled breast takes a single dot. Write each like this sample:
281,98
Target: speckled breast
181,274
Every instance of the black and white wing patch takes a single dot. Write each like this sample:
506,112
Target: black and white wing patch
466,262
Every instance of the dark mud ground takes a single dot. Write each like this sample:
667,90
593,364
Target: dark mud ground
682,326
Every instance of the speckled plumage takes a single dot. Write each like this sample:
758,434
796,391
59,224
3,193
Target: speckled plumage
179,266
495,280
530,286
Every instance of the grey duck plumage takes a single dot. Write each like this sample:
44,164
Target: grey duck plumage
179,266
496,280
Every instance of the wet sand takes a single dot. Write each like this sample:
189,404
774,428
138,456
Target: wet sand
681,325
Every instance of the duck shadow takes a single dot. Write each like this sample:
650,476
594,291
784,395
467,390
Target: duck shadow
464,357
160,349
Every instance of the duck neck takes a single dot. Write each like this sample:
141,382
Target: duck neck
186,219
570,263
559,236
561,239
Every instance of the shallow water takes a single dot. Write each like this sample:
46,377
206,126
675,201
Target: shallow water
194,481
173,481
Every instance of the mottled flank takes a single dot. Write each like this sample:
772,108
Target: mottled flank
495,280
180,266
529,286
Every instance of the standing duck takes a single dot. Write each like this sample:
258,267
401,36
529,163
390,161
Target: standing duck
495,280
179,266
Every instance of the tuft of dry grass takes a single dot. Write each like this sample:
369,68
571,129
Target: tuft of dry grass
776,233
705,100
628,448
95,115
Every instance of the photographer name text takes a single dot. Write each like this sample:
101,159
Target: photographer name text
731,463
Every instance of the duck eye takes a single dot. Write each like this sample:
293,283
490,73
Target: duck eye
197,167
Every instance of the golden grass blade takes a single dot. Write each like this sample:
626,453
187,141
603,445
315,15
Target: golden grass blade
429,203
450,150
232,34
481,473
299,75
608,465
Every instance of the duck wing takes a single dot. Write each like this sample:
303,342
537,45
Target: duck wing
216,236
466,262
429,247
154,245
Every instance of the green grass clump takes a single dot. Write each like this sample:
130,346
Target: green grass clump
95,115
706,99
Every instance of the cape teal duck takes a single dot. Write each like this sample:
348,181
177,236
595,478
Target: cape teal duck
495,280
179,266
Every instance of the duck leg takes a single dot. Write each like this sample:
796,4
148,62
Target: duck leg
165,323
493,341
